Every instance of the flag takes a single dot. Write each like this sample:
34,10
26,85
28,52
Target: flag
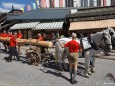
33,5
22,9
25,9
38,3
53,3
60,3
28,7
43,3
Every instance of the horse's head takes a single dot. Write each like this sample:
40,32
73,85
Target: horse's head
106,40
111,31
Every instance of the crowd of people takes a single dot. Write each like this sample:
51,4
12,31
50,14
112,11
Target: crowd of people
74,47
12,47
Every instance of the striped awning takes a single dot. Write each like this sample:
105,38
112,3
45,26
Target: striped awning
49,26
29,25
97,24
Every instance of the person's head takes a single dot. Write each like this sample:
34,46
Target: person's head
4,31
19,31
9,32
74,35
39,34
15,34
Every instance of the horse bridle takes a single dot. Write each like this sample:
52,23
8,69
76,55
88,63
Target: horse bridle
104,39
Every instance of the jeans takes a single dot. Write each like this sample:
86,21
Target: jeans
13,51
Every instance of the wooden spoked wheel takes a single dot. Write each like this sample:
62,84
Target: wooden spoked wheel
34,58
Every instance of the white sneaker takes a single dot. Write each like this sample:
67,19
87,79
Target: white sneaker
89,73
86,75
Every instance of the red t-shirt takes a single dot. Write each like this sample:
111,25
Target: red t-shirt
0,35
41,38
19,35
9,35
73,46
4,35
12,41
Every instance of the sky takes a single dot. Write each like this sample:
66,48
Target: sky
6,5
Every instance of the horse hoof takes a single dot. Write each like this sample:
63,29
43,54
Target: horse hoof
92,71
89,73
87,76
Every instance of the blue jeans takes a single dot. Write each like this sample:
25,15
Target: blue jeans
13,52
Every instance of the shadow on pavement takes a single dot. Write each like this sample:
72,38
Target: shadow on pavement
3,51
54,66
58,74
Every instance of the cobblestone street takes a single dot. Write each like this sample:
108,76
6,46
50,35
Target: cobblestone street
21,74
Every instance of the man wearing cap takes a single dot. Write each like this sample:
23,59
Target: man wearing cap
39,37
73,47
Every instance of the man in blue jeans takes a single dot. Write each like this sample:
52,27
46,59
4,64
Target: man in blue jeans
13,49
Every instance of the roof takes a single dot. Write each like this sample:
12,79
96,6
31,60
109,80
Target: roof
96,11
29,25
13,10
11,16
98,24
45,13
49,26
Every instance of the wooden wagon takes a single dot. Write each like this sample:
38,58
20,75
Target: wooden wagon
36,55
38,52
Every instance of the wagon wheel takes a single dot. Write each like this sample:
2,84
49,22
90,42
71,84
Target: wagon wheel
35,58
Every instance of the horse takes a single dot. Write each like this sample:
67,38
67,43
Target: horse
111,31
99,38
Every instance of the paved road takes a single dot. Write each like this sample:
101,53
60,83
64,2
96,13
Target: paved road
21,74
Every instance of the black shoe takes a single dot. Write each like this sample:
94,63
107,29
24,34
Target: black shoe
74,82
70,80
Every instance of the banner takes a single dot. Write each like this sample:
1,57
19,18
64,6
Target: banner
33,5
38,3
22,9
28,7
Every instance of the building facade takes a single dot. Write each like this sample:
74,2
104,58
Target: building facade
75,3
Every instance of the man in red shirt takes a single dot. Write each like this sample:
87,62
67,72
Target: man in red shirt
19,36
9,35
39,37
4,34
13,49
73,47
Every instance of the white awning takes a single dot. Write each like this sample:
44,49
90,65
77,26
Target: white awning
30,25
49,26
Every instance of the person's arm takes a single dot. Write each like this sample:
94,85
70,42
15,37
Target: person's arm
20,36
60,43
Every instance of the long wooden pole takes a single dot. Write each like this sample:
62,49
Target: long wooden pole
29,41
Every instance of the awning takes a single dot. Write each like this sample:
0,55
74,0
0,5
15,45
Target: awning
92,24
49,26
29,25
